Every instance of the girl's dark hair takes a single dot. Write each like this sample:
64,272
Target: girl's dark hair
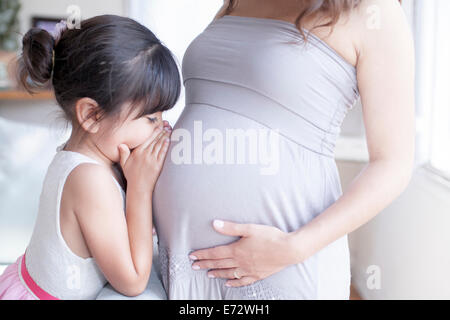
110,59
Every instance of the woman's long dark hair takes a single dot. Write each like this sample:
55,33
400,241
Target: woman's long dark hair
110,59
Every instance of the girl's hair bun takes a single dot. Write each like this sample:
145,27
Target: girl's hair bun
36,61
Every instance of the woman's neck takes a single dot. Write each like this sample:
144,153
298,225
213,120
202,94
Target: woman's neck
282,10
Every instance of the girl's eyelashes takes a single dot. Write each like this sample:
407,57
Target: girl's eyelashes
152,120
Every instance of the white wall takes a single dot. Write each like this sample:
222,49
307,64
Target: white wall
57,8
409,241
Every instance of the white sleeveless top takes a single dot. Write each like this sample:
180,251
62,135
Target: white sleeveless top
49,260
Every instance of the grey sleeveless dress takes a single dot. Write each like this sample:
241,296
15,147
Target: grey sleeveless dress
253,75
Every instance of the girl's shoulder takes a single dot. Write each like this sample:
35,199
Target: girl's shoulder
91,183
76,167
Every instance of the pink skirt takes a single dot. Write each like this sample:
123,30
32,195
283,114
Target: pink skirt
11,285
17,284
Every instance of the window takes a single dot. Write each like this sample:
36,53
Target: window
432,29
440,113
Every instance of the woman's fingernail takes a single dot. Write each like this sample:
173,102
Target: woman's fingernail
167,129
211,275
195,267
193,257
227,285
218,223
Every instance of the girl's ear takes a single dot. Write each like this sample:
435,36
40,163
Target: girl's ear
88,113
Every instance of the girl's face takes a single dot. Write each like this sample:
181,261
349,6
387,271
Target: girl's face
128,130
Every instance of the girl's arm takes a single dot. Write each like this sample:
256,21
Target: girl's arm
121,245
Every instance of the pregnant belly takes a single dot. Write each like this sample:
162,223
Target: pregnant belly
221,165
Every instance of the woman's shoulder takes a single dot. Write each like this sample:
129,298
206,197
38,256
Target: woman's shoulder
383,5
371,26
378,23
378,15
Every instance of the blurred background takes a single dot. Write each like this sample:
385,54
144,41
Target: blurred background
406,247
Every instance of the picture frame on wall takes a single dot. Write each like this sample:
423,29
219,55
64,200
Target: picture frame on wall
46,23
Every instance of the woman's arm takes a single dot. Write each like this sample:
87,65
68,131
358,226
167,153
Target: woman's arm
385,72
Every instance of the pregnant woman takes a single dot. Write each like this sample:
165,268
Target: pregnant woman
249,203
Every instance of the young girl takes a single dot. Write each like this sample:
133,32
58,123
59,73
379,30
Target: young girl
113,79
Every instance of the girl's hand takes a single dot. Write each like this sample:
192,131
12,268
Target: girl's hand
167,125
143,165
261,251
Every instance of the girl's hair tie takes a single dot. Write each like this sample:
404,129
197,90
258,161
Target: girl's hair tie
59,29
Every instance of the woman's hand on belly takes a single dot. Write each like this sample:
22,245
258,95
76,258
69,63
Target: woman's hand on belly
261,251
